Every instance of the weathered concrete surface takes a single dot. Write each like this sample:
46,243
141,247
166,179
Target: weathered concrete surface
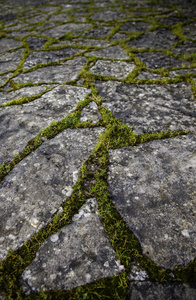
163,291
74,257
150,108
35,189
153,187
19,124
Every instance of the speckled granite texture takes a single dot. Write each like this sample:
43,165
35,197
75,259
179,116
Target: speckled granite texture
97,149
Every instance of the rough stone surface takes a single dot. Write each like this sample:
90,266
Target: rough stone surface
61,30
150,108
59,18
66,71
137,273
187,47
135,26
153,187
161,38
190,30
108,15
148,76
90,113
182,71
4,77
73,47
171,20
25,205
63,269
10,61
110,52
20,124
83,42
119,36
9,44
35,43
100,32
163,291
157,60
118,69
44,57
23,92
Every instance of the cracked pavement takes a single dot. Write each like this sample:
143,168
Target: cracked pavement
98,139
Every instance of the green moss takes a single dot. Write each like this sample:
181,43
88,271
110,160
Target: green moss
94,183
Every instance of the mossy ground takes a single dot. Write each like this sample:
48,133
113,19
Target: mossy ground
94,183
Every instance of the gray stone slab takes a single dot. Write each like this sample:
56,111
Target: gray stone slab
182,71
44,57
135,26
90,113
45,27
36,19
61,30
171,20
119,37
64,72
35,189
111,52
188,47
118,69
153,187
4,77
21,34
78,254
150,108
9,44
91,42
83,42
190,30
148,76
108,15
19,124
10,61
35,43
160,38
23,92
163,291
59,18
100,32
157,60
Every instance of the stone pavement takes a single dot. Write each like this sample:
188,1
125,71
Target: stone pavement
98,139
